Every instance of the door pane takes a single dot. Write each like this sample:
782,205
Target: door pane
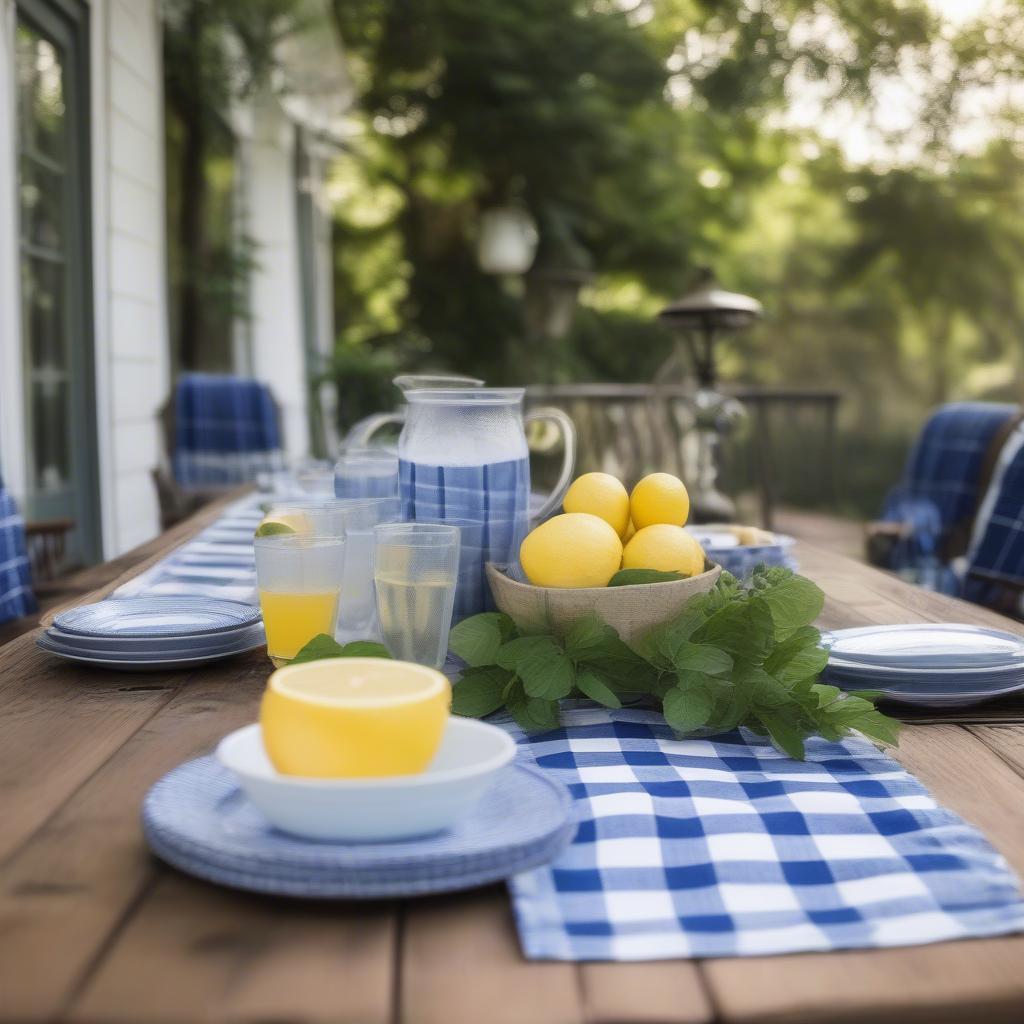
53,213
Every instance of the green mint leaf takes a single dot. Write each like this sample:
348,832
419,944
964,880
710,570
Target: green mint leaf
793,601
476,640
592,684
687,709
321,646
664,642
794,644
825,695
762,689
632,577
878,727
480,691
325,646
541,663
785,734
805,664
703,658
532,714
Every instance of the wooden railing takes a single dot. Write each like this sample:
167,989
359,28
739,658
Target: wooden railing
783,449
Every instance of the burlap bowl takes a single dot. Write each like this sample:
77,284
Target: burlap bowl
632,610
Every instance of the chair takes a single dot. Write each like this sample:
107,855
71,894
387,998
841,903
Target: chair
995,554
16,596
219,431
930,514
226,430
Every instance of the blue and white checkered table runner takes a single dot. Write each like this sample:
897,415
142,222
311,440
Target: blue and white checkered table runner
726,847
720,847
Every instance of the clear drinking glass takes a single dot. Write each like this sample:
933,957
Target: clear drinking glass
299,580
316,479
416,569
357,613
366,473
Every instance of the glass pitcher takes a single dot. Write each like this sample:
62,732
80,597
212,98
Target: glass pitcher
463,458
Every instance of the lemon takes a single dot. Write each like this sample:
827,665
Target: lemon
659,498
630,530
571,550
284,522
354,717
664,547
601,495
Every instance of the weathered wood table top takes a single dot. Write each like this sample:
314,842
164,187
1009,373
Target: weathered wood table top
93,928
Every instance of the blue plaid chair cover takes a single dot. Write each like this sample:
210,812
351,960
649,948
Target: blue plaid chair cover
938,495
995,558
946,462
16,597
226,430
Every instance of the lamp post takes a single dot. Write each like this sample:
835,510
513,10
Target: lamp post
701,315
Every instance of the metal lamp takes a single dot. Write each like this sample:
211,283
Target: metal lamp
701,315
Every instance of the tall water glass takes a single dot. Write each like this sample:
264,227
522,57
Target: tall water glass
299,580
366,473
357,613
416,569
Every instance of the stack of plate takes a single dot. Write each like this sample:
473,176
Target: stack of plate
927,664
152,633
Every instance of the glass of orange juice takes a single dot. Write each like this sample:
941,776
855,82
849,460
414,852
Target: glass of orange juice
299,582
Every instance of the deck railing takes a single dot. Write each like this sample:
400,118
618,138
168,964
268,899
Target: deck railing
782,450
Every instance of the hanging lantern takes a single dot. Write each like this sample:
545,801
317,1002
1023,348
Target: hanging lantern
507,240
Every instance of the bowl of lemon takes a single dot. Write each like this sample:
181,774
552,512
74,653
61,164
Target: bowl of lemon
363,750
621,555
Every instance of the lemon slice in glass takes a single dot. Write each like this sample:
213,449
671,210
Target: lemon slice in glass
285,523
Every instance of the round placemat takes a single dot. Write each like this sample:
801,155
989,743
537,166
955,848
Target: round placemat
198,820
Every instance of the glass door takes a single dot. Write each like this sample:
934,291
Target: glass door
56,312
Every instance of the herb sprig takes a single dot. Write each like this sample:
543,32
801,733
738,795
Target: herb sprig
742,654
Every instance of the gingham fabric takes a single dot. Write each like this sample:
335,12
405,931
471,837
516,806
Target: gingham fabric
16,597
945,463
489,503
226,430
218,562
995,557
725,847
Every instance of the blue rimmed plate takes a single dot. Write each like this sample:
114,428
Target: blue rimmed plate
198,820
926,645
157,617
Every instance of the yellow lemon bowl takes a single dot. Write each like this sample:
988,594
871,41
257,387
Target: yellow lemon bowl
631,610
345,718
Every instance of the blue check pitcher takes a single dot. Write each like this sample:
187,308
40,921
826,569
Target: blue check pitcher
463,459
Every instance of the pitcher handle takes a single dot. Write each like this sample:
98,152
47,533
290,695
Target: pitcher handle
361,432
568,429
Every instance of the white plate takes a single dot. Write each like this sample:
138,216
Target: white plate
916,646
379,809
156,617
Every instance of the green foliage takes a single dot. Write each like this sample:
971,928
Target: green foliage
324,646
631,577
739,655
664,136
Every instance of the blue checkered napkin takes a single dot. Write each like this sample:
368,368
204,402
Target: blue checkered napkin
218,562
16,597
945,464
489,503
226,430
725,847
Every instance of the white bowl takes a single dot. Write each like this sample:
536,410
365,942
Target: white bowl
373,810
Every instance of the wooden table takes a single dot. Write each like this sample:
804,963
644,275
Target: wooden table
93,928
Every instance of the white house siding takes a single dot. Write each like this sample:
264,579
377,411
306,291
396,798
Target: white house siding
131,295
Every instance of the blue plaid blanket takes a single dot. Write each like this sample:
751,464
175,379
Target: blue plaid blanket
995,556
16,597
945,463
725,847
226,430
